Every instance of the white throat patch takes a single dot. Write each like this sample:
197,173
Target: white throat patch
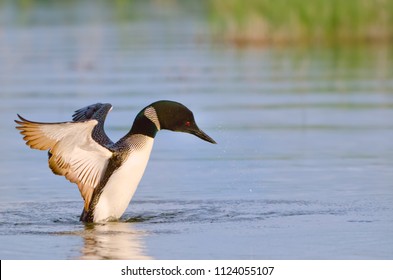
151,114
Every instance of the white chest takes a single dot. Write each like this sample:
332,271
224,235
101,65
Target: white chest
122,185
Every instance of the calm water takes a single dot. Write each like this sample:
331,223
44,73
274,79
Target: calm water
303,168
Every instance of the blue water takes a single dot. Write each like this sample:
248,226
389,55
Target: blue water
303,168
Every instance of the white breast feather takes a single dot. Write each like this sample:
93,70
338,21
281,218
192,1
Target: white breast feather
122,185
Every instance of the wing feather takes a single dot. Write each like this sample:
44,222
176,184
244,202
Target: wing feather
99,112
73,152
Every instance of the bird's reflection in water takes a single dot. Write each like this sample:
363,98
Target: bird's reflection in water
117,240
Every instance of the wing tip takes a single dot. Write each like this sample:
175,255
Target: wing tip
21,119
90,111
22,124
31,133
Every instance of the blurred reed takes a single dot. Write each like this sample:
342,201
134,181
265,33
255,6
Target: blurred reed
302,21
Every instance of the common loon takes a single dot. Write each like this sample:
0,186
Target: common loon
107,173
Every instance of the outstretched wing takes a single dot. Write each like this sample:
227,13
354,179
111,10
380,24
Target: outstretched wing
74,153
98,112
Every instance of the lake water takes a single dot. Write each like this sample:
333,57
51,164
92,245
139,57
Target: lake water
303,168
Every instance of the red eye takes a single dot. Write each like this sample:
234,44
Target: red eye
188,124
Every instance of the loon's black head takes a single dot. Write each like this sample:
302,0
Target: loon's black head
174,116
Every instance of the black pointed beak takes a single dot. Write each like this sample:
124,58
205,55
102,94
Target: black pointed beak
199,133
